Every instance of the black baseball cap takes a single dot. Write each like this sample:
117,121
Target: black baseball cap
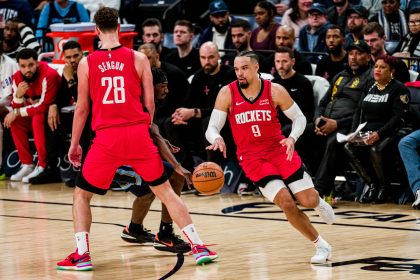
317,7
359,45
360,10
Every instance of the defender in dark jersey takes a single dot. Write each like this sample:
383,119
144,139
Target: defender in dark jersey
118,81
267,157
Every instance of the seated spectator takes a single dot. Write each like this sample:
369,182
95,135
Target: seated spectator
185,56
152,33
331,65
188,124
18,36
381,107
297,16
59,125
373,35
409,45
373,6
219,30
35,87
356,20
392,19
17,9
281,6
263,37
177,85
409,150
312,36
8,67
300,89
285,37
61,11
335,114
93,6
337,14
241,35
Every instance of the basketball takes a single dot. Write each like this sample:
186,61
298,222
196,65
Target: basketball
208,178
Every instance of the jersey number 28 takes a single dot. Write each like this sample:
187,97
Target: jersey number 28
116,84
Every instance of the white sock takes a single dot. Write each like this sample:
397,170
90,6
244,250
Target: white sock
320,242
192,235
82,241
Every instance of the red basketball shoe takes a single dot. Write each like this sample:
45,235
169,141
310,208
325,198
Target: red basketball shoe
202,254
76,262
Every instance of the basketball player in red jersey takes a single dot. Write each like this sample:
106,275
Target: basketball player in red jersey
266,156
115,79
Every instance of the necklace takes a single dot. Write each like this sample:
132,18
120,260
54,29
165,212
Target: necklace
251,98
382,87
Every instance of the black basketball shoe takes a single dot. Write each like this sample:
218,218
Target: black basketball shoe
144,237
171,243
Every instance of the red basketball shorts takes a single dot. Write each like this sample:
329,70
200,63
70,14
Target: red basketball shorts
272,162
117,146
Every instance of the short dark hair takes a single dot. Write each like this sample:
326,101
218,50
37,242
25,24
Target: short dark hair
238,22
71,45
336,27
27,54
372,27
187,23
390,60
249,54
159,76
106,19
152,22
14,19
269,7
415,10
283,49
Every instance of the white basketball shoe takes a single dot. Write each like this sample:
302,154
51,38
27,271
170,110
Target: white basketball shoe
25,170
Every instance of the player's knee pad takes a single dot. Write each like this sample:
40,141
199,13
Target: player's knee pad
272,188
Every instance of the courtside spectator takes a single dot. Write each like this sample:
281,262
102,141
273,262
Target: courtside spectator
18,36
152,33
297,16
17,8
263,37
335,62
392,19
185,56
35,86
219,30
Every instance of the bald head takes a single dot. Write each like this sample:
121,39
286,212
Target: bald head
285,36
209,58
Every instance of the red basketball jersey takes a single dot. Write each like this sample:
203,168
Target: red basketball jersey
255,126
115,89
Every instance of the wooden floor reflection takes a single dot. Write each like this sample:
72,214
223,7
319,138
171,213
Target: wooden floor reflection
251,236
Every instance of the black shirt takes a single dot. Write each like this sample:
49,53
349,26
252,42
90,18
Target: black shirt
66,93
327,68
302,66
189,64
300,89
177,91
382,110
204,89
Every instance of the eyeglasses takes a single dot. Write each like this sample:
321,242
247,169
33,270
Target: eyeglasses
414,22
390,2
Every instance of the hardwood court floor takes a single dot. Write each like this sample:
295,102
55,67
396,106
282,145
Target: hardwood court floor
253,239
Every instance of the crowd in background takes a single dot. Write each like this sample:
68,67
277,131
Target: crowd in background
344,62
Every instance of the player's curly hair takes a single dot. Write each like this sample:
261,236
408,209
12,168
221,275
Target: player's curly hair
106,19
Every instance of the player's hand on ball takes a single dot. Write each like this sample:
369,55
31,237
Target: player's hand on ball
290,147
218,144
185,173
75,155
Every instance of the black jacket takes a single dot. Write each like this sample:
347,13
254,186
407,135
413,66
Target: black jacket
342,98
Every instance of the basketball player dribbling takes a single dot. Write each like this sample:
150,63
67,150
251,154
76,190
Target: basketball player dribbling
114,79
267,157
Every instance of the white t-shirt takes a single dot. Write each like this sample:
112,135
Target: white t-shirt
8,67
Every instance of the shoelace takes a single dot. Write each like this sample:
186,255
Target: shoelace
204,247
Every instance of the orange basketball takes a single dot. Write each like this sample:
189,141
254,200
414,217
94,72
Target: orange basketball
208,178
